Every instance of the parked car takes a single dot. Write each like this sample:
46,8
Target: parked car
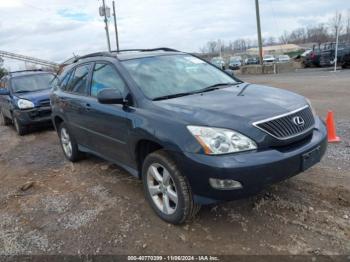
218,62
235,62
283,59
192,133
24,99
269,59
252,61
327,54
311,58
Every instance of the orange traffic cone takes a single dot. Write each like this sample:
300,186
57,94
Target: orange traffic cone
332,136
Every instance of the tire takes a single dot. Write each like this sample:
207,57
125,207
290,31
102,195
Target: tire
4,121
68,143
156,166
20,128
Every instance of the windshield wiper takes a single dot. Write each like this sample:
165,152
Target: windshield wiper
214,87
206,89
172,96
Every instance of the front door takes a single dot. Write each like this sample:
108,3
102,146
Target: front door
108,124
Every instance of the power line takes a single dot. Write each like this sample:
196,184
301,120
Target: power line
28,59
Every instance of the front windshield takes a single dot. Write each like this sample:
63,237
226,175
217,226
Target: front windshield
168,75
31,83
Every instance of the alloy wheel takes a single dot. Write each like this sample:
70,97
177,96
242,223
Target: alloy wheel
66,142
162,189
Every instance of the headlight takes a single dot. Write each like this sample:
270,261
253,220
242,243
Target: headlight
25,104
311,107
217,141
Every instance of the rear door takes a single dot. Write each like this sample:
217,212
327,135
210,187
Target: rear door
74,100
108,124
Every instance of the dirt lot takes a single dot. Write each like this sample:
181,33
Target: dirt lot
93,207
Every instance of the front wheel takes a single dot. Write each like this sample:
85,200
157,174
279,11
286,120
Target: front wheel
167,190
68,143
20,128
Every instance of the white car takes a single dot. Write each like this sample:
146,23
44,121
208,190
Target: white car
269,59
283,59
218,62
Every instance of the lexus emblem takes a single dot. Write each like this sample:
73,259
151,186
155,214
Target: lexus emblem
298,120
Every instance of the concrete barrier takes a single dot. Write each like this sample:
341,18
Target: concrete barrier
268,69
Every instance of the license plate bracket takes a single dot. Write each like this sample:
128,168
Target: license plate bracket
311,158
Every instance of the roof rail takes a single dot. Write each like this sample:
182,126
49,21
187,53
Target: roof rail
93,55
167,49
28,70
112,53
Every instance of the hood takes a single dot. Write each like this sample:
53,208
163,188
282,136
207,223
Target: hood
235,107
36,97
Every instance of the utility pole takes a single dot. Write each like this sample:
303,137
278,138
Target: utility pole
106,25
336,49
259,31
115,26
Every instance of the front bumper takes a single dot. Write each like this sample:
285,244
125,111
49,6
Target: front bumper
234,67
254,170
33,116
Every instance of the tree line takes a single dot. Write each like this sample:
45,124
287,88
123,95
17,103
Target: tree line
318,34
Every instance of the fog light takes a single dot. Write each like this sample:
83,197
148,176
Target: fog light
225,184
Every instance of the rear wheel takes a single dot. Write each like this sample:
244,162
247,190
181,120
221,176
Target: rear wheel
68,143
167,190
4,121
20,128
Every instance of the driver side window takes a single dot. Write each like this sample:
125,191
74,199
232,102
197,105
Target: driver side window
106,76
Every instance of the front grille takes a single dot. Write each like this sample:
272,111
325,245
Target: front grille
285,126
45,103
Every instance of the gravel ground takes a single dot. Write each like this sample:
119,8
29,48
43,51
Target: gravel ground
94,207
340,152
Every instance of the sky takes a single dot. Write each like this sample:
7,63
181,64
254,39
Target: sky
57,29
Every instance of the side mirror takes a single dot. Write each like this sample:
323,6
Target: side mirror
110,96
4,92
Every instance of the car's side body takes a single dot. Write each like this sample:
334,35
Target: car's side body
115,130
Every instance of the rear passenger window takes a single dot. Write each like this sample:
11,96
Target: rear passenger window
78,83
64,82
106,76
